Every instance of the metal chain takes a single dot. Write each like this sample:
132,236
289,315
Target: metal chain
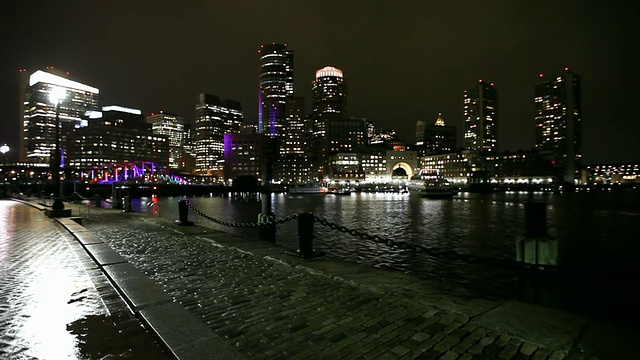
439,253
242,225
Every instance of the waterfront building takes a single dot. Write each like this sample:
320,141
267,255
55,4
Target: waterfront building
623,174
187,162
171,126
558,122
373,161
458,167
345,166
214,119
521,168
99,145
480,116
435,138
407,160
275,85
244,155
295,169
38,125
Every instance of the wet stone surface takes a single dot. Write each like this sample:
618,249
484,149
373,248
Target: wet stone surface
54,302
266,308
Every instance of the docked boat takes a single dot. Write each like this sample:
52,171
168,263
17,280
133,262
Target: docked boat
307,189
430,183
340,191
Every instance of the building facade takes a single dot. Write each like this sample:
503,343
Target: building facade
171,126
275,85
558,116
39,114
214,119
437,137
480,116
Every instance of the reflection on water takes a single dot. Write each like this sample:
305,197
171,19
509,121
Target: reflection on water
598,231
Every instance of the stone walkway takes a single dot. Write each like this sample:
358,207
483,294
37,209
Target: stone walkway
54,301
271,305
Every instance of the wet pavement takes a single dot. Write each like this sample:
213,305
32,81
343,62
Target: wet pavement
55,303
266,304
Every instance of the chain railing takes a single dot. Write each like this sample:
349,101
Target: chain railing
305,234
241,225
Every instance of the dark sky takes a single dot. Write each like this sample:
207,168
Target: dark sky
403,60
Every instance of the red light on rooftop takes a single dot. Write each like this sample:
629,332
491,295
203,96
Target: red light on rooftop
67,73
541,75
153,114
491,84
479,80
566,69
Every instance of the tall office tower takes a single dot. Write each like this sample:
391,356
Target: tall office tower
481,117
437,137
558,122
276,84
39,114
171,126
214,119
294,131
329,93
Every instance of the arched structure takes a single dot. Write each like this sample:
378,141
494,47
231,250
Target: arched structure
406,167
135,172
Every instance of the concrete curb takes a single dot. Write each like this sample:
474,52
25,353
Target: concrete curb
183,334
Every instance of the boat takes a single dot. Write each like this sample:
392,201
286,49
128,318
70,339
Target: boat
430,183
307,189
340,191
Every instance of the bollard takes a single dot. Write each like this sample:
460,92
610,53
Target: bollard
305,234
183,213
268,232
126,204
305,237
98,200
535,219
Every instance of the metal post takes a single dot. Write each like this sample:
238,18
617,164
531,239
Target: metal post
183,213
57,203
305,234
535,219
98,200
267,232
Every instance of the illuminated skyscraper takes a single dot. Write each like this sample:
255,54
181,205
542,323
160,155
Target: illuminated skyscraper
276,84
295,127
481,117
329,92
558,122
214,119
39,114
171,126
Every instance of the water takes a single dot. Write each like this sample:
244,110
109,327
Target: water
597,232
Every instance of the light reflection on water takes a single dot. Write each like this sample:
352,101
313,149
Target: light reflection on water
597,227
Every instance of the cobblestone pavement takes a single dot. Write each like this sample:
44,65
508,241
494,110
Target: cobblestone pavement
267,308
54,302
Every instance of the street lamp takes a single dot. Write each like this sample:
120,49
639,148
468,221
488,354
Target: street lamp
4,149
56,96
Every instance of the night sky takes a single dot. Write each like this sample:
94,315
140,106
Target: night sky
403,60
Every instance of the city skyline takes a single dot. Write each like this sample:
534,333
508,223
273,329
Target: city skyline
401,67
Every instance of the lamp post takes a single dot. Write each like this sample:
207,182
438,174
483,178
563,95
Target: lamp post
4,149
56,96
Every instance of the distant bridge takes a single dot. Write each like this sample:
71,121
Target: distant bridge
135,172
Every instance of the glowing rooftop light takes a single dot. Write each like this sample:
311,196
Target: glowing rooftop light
122,109
4,149
541,75
45,77
328,71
